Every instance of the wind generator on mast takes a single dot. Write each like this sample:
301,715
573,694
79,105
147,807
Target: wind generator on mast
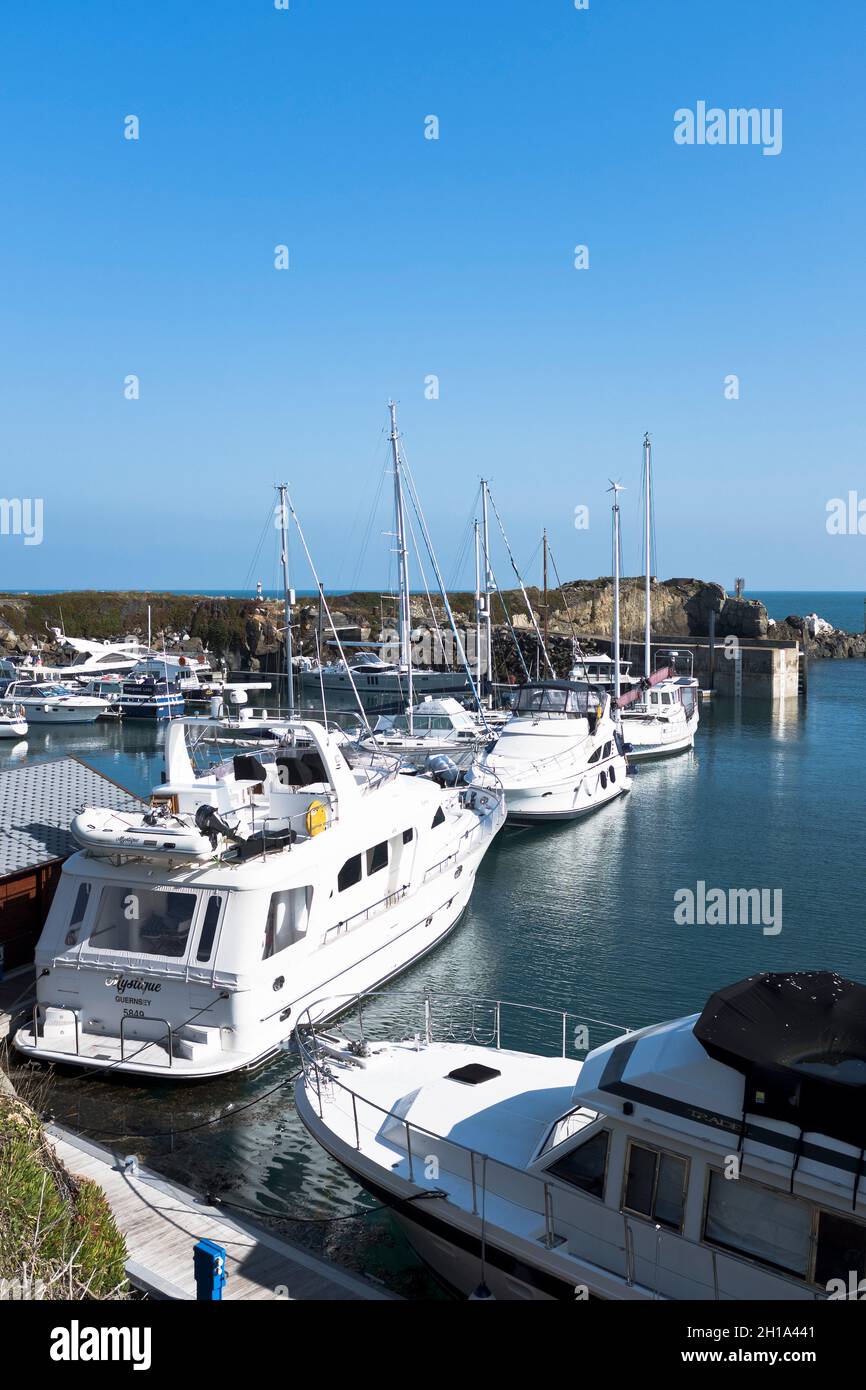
647,486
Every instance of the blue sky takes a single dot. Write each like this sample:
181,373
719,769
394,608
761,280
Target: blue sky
411,257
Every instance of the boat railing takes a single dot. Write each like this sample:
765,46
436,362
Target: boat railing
544,1210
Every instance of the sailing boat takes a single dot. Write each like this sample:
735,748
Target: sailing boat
381,684
661,718
561,754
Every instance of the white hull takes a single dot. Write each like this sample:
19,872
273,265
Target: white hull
564,801
390,946
62,714
13,728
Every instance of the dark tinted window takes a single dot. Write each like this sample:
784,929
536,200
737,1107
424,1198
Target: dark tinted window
208,931
655,1186
584,1167
82,898
377,858
438,818
407,836
350,873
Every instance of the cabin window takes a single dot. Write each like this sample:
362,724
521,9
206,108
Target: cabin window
143,921
439,818
607,748
655,1185
82,898
288,918
594,757
768,1226
585,1166
350,874
603,780
841,1249
407,836
79,909
377,858
208,931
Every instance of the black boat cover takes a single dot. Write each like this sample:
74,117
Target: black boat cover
799,1040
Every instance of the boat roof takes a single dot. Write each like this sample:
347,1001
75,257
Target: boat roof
736,1072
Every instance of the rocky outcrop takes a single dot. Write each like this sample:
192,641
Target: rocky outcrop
822,641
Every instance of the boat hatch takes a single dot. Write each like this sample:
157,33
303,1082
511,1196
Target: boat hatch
473,1074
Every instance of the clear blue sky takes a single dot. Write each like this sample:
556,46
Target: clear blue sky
411,257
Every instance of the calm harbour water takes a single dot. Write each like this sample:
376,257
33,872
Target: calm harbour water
578,917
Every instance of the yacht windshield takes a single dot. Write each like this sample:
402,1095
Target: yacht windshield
556,699
142,921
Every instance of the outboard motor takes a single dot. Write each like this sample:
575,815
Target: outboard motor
442,769
210,823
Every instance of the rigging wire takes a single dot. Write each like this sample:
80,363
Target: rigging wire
532,618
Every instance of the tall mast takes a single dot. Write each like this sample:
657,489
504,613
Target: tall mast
647,540
403,556
477,608
545,586
488,586
616,490
287,598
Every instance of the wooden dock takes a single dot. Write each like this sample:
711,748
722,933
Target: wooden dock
162,1222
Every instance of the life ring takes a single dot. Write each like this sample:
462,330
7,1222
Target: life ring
317,817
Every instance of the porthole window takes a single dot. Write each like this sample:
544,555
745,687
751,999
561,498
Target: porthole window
612,771
603,779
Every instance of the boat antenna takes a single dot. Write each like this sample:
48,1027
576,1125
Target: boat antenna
403,561
288,598
616,489
333,629
532,616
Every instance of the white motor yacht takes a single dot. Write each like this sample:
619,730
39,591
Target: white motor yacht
717,1157
49,702
559,755
187,939
662,717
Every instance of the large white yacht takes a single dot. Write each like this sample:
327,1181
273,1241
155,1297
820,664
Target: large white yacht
559,756
717,1157
186,939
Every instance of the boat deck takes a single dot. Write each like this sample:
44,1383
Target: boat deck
162,1222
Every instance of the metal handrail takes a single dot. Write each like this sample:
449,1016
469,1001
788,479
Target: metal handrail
61,1008
147,1042
318,1065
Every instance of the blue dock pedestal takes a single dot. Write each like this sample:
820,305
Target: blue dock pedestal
209,1263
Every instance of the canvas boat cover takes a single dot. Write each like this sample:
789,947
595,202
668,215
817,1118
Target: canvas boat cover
799,1039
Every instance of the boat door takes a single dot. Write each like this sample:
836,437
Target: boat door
204,950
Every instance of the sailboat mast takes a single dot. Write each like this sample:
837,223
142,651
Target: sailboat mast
403,554
287,598
477,607
488,587
647,521
545,587
616,670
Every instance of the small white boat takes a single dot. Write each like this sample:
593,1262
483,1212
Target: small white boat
430,728
662,718
13,721
48,702
522,1176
